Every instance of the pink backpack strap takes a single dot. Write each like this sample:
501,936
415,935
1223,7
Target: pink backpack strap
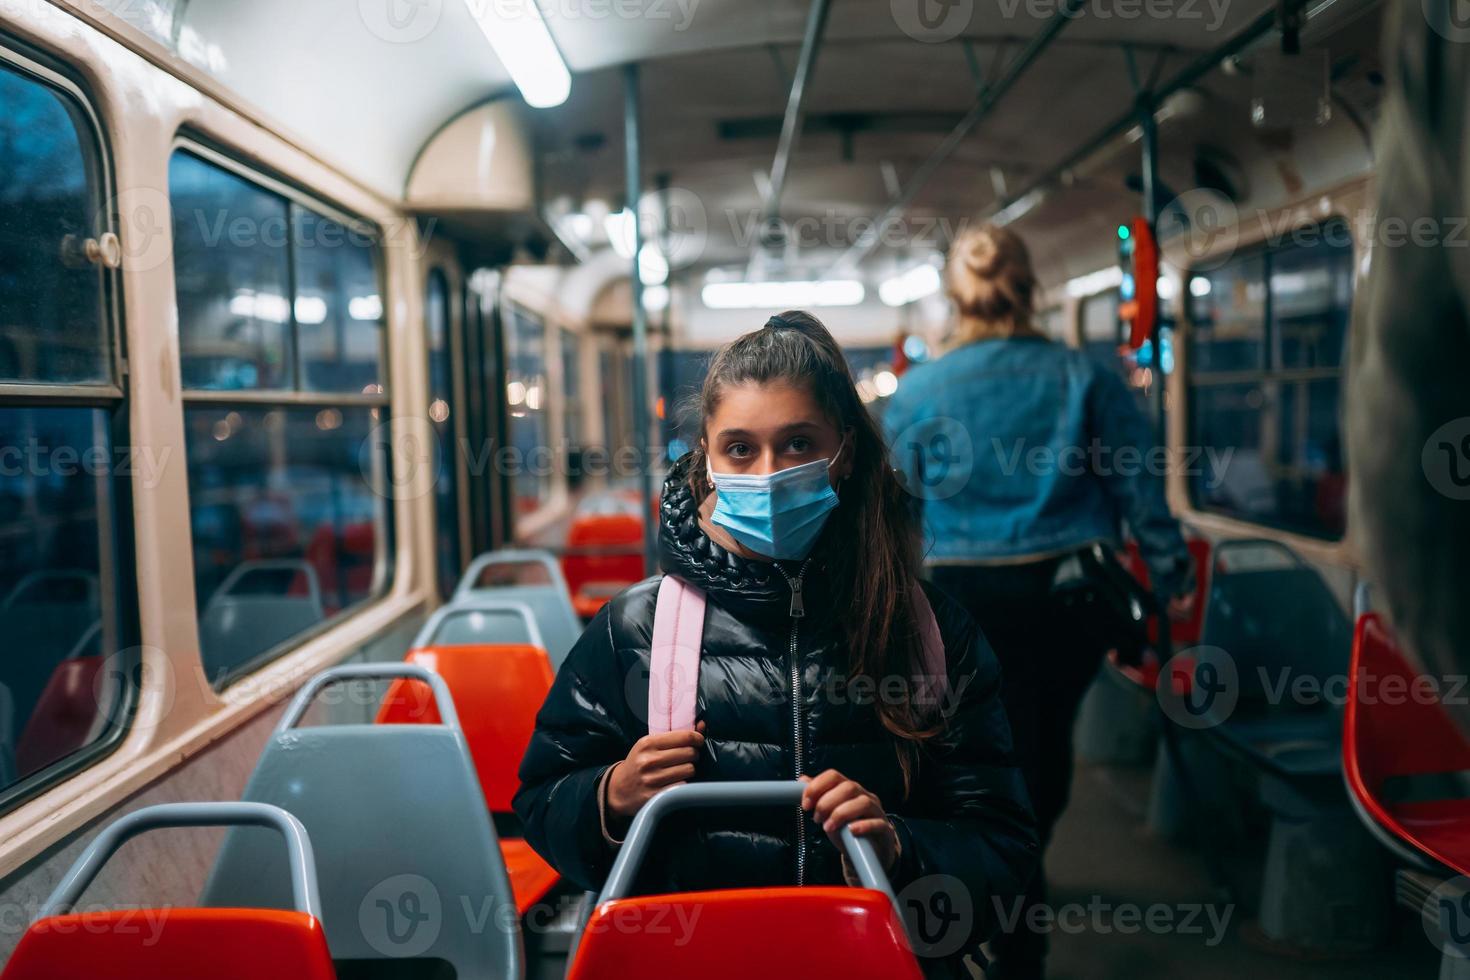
673,663
935,682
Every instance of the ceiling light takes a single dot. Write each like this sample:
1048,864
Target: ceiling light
1095,282
524,46
656,299
782,295
915,284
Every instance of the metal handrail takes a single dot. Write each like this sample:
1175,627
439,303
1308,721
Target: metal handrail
772,792
381,671
300,860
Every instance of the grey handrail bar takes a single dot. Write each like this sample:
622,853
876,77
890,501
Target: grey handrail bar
770,792
304,892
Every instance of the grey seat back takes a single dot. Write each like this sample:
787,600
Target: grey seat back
546,595
409,865
480,620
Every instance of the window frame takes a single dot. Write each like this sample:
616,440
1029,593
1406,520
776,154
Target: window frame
1262,375
386,545
117,559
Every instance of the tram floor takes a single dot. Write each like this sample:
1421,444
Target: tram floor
1130,905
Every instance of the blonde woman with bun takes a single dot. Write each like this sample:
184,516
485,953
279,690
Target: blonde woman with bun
1023,452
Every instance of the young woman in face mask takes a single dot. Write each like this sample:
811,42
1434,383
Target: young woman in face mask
789,519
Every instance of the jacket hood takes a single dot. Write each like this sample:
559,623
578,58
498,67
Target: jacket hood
743,585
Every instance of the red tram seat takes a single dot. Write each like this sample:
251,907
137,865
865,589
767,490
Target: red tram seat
179,943
174,944
604,555
63,717
498,689
1405,760
772,933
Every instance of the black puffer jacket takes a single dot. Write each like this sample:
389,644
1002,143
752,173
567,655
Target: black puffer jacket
966,815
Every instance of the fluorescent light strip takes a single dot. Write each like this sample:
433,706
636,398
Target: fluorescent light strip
782,295
1110,277
524,45
915,284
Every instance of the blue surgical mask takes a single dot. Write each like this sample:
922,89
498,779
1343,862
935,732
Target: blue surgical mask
779,514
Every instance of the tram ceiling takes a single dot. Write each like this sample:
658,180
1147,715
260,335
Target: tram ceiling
876,109
716,81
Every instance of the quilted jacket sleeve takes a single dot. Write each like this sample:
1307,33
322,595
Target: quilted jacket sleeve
585,726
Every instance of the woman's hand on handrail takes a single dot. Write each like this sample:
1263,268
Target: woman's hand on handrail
834,801
654,762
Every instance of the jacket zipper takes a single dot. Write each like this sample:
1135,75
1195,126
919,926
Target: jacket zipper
798,610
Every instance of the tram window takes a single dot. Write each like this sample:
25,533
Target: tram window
67,609
286,518
525,391
53,327
287,466
441,399
1228,317
1266,353
571,382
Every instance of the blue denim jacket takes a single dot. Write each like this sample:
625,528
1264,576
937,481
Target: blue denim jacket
1023,448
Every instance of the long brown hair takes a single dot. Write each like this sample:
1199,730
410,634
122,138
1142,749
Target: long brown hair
871,545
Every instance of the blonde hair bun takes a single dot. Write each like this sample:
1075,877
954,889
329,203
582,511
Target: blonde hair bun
981,256
990,279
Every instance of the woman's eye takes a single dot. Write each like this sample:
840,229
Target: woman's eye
800,444
737,450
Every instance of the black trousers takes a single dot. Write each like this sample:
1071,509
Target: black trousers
1047,663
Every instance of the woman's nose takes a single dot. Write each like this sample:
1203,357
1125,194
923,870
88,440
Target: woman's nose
765,464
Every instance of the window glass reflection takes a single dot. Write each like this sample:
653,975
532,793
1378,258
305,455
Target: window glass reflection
339,310
232,277
52,324
58,689
526,397
1276,320
286,506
